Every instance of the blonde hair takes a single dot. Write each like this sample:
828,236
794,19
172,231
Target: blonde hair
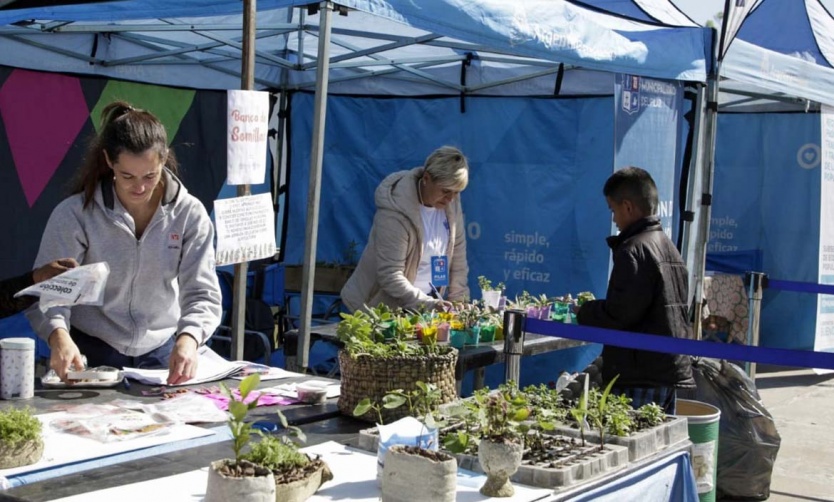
448,168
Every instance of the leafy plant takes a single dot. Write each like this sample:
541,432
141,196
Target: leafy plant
279,453
602,409
486,284
241,430
18,425
422,402
364,333
651,415
502,412
580,414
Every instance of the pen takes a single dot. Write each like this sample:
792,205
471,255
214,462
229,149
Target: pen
126,383
436,292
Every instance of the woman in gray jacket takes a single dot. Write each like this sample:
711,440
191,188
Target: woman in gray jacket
129,209
416,252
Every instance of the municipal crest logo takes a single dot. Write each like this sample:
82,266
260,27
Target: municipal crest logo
630,100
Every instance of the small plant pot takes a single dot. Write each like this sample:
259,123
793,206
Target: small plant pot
499,333
499,461
389,329
473,336
457,338
302,489
20,454
533,312
492,297
443,332
559,311
487,334
544,312
223,488
415,474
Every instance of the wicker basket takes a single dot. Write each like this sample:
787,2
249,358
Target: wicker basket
373,377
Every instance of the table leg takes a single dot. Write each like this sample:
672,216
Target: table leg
479,378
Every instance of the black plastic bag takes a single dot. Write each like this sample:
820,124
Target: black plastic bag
748,441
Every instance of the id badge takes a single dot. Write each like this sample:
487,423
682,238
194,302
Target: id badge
439,271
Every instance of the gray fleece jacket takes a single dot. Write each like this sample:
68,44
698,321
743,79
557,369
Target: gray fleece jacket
388,267
160,285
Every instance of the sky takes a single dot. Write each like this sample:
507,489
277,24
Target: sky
702,10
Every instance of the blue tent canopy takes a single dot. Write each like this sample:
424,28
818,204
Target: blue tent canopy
786,47
196,43
651,11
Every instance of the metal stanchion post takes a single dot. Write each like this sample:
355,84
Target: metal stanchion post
756,282
513,344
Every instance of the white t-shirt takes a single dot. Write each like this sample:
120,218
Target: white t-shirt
435,242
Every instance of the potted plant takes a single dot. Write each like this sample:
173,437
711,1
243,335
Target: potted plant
490,295
501,446
415,471
239,479
370,364
297,475
272,470
21,441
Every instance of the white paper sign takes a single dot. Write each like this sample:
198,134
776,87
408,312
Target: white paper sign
245,228
247,128
83,285
824,339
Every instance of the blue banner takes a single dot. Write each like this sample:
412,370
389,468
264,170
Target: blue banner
766,207
647,125
535,215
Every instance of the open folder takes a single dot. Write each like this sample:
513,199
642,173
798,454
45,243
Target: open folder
210,368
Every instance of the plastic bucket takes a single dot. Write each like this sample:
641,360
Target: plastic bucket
703,423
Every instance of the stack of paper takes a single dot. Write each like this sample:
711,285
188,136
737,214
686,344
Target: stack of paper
210,367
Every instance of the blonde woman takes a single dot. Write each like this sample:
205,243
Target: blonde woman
416,251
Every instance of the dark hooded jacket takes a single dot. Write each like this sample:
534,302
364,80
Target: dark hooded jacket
647,293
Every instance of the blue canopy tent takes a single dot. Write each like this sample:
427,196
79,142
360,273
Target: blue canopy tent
776,70
378,48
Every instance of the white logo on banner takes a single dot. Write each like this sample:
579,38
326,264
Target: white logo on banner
808,156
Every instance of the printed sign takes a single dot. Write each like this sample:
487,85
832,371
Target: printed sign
245,228
247,128
646,125
824,336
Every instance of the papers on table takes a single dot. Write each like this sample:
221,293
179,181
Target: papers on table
288,389
266,372
61,448
354,478
210,368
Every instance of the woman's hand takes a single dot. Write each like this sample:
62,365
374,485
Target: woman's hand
63,353
182,365
52,269
443,306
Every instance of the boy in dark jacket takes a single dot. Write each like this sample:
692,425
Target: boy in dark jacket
647,293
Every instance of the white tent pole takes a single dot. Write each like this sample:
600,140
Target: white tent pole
247,82
314,191
690,228
708,163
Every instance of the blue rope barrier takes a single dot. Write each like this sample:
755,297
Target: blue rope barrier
669,345
801,287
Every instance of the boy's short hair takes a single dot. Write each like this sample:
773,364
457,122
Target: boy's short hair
634,185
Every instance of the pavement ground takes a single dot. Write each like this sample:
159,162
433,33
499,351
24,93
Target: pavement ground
802,405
